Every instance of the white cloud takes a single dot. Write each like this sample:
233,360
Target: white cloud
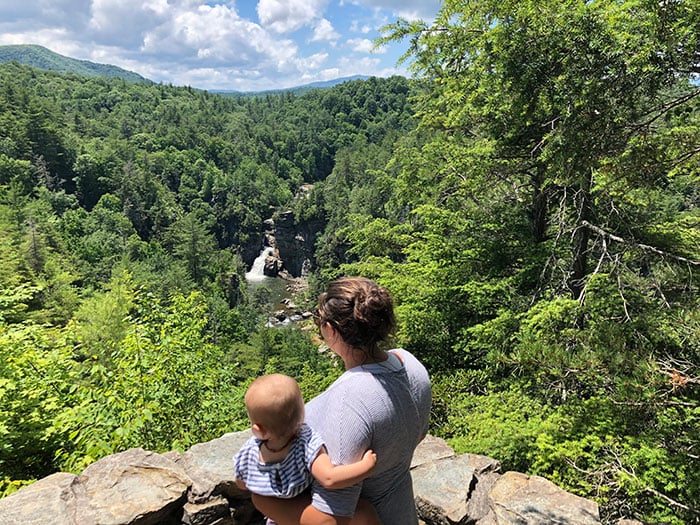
366,66
286,16
329,74
50,38
159,7
324,32
120,22
411,9
217,35
355,27
212,44
357,65
362,45
313,62
24,16
215,39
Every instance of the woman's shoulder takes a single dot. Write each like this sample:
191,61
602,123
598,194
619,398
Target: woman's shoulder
408,359
415,370
342,392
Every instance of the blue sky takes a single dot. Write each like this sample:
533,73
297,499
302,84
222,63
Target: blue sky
227,44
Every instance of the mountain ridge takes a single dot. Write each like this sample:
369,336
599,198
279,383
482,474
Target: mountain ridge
298,90
34,55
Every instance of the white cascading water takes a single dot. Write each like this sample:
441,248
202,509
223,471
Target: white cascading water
256,272
276,289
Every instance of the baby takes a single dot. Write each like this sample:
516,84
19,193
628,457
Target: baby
284,453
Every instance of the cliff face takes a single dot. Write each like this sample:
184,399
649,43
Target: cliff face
197,487
296,242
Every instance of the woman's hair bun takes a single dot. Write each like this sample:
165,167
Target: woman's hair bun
360,309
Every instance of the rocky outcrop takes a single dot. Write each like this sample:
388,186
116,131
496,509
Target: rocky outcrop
273,266
296,242
287,247
137,487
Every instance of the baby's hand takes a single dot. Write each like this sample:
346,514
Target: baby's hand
370,457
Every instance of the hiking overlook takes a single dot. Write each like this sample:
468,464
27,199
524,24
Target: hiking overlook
530,198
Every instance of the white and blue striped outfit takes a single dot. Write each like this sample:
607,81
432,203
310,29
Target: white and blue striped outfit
283,479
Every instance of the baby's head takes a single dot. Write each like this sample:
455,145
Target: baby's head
275,406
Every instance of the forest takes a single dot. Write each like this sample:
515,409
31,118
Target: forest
531,197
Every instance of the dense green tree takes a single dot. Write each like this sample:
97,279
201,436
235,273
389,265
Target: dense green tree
97,240
539,96
194,244
548,242
35,380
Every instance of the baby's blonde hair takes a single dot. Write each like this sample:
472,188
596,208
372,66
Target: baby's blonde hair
275,402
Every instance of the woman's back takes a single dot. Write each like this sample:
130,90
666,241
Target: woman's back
383,406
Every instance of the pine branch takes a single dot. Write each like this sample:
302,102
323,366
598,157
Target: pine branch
641,246
670,501
662,110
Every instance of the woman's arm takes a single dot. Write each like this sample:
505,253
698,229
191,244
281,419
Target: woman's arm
299,511
295,511
335,477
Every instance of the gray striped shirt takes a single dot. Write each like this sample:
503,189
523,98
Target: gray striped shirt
385,407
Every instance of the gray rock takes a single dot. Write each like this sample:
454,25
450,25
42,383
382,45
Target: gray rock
197,487
482,465
441,489
296,241
519,499
49,500
135,487
210,466
215,510
273,265
486,472
431,449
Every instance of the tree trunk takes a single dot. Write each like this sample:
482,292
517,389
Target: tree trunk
540,203
582,235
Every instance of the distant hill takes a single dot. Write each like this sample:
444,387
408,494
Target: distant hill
298,90
42,58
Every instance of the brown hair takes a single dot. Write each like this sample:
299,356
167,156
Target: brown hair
360,310
275,402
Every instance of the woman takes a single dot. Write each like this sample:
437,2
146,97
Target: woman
381,402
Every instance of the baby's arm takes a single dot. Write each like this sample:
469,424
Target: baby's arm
335,477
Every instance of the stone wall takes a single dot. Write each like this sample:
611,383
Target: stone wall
197,487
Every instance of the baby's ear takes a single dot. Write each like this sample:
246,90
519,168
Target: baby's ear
259,431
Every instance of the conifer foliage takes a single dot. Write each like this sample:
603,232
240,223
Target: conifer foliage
555,241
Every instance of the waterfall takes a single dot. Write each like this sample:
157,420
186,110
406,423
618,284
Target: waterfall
272,291
256,272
